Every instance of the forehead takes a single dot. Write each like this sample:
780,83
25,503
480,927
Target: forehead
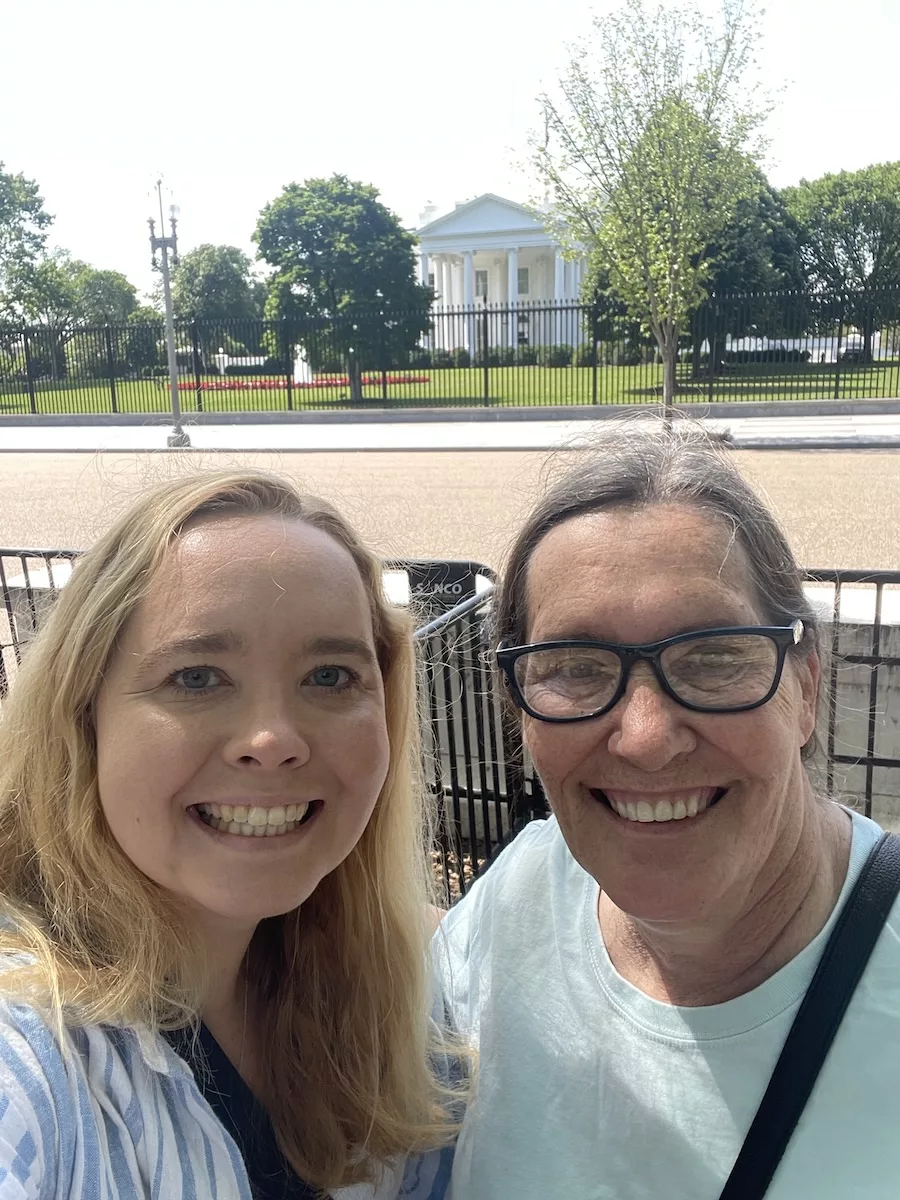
637,575
240,569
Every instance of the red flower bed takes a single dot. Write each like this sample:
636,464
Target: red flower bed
235,384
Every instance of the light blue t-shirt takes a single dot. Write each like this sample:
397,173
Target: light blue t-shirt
589,1090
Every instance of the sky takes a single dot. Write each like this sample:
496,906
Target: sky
229,102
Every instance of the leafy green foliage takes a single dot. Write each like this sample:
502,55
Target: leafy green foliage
850,240
213,283
23,223
647,152
337,252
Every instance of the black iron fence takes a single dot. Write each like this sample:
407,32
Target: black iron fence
767,346
483,788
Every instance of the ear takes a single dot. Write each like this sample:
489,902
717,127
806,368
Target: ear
809,676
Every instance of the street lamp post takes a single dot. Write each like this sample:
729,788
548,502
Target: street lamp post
162,245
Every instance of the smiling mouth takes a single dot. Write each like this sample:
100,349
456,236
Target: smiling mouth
647,809
255,820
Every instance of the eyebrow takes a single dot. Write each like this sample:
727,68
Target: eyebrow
229,642
580,635
225,642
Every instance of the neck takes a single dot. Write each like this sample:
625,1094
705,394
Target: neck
709,962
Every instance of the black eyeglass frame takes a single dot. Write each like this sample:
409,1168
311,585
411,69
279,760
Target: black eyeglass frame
784,637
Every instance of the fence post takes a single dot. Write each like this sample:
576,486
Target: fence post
28,373
198,365
837,357
382,356
712,339
289,349
111,364
485,334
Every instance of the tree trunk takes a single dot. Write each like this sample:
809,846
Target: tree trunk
354,373
669,355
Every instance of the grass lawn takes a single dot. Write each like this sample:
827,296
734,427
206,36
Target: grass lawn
467,387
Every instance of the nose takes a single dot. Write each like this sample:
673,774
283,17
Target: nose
649,729
268,736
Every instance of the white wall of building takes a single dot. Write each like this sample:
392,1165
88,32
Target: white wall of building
489,241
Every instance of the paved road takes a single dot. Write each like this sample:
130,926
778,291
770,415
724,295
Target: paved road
840,508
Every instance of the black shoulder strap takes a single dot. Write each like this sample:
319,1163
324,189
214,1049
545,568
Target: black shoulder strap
809,1040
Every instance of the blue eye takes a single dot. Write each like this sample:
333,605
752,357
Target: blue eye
196,679
332,678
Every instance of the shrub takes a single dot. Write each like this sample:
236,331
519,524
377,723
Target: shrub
585,355
461,357
555,356
420,357
527,356
441,359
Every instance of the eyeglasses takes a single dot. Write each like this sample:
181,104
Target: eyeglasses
711,670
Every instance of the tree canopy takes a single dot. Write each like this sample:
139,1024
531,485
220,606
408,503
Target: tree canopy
647,150
850,241
338,251
213,283
23,223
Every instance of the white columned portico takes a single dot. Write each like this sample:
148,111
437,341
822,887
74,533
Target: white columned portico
469,298
446,297
423,270
559,276
468,279
559,293
512,293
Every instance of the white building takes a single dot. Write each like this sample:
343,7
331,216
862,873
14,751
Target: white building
496,251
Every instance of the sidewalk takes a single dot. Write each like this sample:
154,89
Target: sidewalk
851,432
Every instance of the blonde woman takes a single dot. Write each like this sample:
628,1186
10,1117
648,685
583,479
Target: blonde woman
211,869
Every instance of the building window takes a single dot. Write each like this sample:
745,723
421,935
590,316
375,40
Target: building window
481,284
523,281
431,280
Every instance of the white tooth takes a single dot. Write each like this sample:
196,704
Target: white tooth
632,810
663,811
302,810
270,831
679,811
202,808
227,813
275,816
246,829
621,809
257,816
259,830
234,827
281,829
693,806
644,811
290,813
239,813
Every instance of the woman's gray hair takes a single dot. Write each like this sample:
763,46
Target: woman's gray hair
638,463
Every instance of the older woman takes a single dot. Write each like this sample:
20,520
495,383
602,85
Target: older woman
211,871
631,967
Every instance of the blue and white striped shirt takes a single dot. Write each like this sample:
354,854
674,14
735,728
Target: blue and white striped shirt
114,1113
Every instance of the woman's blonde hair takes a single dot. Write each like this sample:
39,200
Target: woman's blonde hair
340,982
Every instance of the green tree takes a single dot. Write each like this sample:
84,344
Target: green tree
850,240
214,283
23,223
645,153
102,297
57,293
756,278
344,274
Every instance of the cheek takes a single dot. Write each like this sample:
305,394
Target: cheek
558,750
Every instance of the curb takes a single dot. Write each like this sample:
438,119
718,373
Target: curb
421,416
